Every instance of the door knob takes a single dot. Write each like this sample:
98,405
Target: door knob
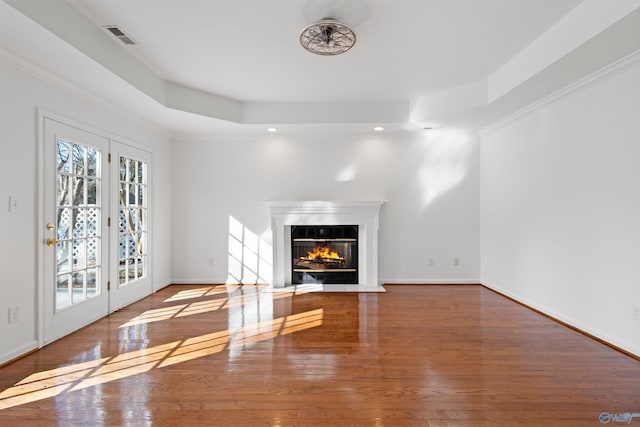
51,242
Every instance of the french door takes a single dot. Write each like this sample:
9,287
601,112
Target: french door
96,227
130,261
76,200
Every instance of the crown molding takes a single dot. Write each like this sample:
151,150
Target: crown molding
619,65
48,77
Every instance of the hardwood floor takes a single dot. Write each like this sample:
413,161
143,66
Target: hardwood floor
232,356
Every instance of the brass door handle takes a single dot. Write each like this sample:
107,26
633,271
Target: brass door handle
51,242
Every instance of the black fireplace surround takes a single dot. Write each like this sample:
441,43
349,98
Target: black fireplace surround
325,254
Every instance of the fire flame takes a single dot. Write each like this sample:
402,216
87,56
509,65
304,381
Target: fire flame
322,252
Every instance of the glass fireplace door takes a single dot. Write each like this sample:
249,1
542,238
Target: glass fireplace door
324,254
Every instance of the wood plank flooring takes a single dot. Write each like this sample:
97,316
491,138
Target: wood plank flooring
232,356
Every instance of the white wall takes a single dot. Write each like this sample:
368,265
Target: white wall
430,180
21,94
560,207
162,191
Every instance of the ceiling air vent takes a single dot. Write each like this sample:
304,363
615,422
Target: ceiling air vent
120,34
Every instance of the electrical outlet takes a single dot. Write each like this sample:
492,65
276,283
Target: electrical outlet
431,262
456,261
636,313
14,314
14,204
211,262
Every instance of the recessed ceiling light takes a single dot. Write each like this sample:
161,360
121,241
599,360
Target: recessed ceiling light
272,130
378,128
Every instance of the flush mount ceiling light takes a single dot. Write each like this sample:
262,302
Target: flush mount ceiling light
327,37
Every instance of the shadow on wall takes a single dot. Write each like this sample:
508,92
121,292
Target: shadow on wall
445,165
250,257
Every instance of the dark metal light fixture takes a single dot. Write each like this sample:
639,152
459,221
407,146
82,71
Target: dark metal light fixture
327,37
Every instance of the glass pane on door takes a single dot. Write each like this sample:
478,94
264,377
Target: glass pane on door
132,224
78,213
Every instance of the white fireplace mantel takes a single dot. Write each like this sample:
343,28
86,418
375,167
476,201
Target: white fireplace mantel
364,214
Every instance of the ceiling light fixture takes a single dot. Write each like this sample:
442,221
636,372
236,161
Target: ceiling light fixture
378,128
327,37
272,130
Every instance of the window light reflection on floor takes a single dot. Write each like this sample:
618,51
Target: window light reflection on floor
198,293
199,307
79,376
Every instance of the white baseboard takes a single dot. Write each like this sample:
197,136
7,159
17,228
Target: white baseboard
159,286
575,324
17,352
215,281
430,281
380,281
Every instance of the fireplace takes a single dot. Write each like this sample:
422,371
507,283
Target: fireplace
328,215
325,254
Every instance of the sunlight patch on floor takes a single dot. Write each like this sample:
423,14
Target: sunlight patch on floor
79,376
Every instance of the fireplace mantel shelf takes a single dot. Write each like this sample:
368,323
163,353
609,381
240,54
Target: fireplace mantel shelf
319,204
365,214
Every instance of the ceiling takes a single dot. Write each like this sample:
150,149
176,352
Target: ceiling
237,65
248,50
